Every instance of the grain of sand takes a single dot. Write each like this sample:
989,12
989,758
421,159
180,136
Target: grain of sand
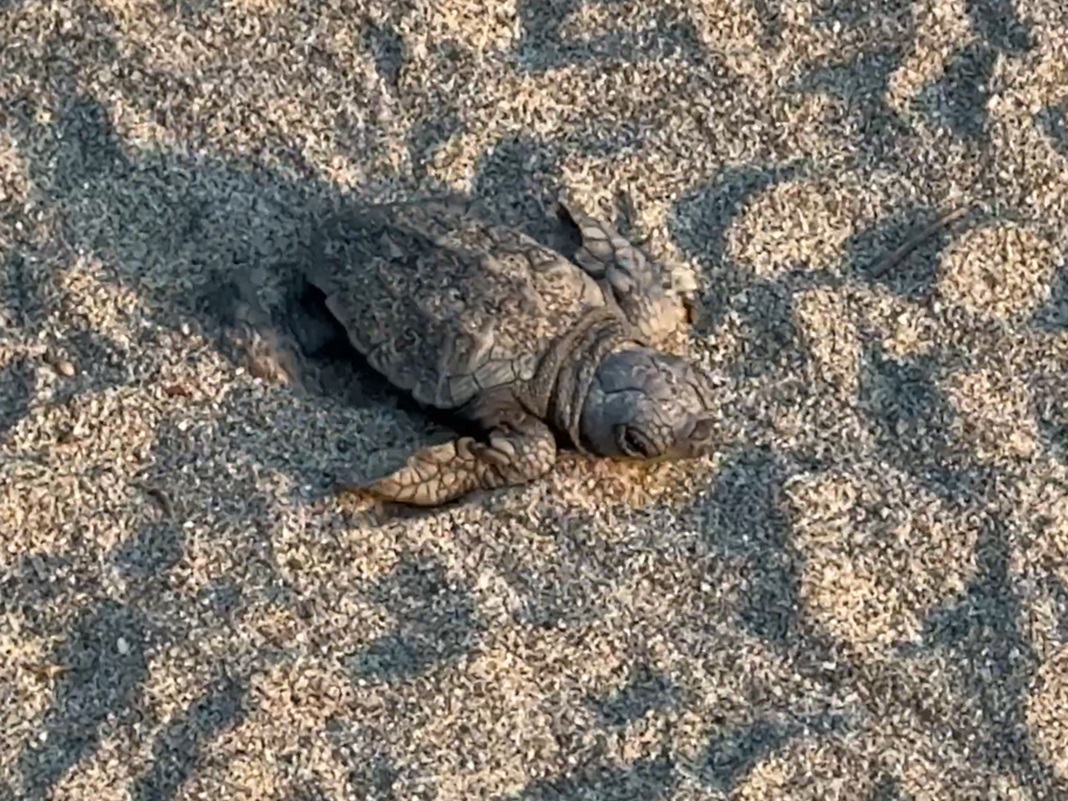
863,595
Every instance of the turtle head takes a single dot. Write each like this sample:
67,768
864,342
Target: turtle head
648,405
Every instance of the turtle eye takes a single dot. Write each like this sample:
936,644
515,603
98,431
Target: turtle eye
634,443
702,431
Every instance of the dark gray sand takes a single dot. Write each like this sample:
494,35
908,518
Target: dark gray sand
863,595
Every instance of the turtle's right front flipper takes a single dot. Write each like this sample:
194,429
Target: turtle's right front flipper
514,453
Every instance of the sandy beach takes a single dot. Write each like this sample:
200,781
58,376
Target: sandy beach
862,595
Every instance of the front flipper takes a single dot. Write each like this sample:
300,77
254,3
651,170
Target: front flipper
514,454
644,290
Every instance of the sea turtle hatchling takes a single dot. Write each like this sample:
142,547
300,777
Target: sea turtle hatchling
469,316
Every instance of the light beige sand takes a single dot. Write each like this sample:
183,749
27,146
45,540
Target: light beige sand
864,595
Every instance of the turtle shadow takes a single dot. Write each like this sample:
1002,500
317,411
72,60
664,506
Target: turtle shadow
176,229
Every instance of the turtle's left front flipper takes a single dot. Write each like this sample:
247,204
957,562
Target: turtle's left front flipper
643,288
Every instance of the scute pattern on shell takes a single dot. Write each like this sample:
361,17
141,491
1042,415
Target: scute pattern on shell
444,303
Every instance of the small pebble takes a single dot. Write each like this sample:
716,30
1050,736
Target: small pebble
122,646
65,368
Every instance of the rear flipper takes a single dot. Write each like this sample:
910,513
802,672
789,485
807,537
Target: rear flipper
249,336
286,343
516,453
643,288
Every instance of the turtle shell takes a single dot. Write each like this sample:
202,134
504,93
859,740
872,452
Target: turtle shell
443,303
